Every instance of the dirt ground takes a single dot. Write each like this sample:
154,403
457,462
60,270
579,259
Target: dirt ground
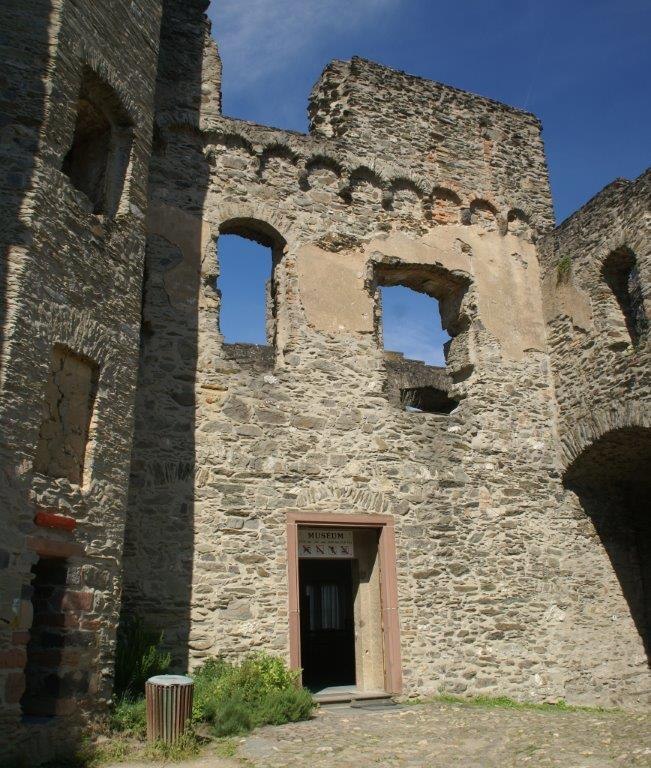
442,735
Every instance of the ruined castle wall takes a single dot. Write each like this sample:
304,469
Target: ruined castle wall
441,134
601,373
228,442
71,335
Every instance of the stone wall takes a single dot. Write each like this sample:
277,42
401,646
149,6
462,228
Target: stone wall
512,576
226,447
71,295
441,134
601,367
601,376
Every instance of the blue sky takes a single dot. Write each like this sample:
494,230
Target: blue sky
582,66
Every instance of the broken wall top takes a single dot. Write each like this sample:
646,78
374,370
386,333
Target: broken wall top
440,133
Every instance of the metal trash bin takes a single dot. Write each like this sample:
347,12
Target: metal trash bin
169,706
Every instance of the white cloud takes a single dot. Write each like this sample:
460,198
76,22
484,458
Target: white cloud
260,37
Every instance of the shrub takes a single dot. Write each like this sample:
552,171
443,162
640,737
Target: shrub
262,672
285,706
259,691
207,680
138,657
231,716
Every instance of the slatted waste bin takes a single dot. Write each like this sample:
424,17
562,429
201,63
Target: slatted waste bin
169,706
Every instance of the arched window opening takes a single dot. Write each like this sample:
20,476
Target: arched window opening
97,160
247,256
621,274
416,339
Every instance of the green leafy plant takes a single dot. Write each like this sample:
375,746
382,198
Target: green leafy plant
231,716
129,716
138,657
564,268
259,691
288,705
207,681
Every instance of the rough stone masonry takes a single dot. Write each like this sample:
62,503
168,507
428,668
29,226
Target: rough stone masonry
515,479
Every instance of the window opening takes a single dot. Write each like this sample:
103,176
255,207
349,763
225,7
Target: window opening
427,399
411,325
97,160
415,343
620,271
247,309
67,411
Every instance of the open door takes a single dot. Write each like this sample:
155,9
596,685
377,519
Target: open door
327,624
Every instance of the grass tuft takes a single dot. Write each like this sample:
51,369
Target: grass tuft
226,748
184,748
504,702
129,717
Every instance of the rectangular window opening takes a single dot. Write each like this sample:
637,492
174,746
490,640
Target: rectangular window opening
427,399
415,343
67,412
96,162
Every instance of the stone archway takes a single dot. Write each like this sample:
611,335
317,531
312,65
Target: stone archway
611,478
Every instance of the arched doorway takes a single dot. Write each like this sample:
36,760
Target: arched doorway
612,481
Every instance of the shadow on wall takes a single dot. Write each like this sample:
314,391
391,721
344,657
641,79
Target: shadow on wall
159,536
23,73
612,479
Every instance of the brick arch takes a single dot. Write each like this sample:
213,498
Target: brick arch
585,431
253,229
258,215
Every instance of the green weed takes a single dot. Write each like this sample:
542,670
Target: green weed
138,657
185,747
504,702
129,716
564,268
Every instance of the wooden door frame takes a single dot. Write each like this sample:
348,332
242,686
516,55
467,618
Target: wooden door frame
388,585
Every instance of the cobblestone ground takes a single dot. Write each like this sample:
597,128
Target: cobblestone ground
447,736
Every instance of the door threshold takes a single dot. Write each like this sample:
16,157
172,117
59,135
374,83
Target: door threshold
350,695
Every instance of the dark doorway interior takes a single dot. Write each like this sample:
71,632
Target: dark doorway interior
612,479
43,674
327,624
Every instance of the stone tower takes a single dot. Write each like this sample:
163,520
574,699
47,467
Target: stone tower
77,108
